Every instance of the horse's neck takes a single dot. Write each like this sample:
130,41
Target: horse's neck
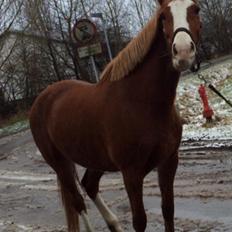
155,80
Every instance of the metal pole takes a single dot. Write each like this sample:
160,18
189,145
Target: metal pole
94,68
99,15
107,39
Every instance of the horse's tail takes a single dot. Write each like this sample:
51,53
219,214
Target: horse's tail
68,200
64,167
67,182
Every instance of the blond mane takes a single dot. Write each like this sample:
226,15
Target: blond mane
133,54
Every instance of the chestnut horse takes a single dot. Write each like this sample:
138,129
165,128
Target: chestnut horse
127,122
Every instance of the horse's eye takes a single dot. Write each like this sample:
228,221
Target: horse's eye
197,10
162,16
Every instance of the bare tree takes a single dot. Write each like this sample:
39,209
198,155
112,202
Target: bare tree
9,11
143,10
41,50
217,31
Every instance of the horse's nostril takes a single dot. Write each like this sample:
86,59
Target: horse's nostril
192,47
175,52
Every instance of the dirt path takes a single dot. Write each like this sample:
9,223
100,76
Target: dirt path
9,143
203,189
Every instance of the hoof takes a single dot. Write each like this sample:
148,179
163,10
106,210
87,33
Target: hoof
115,228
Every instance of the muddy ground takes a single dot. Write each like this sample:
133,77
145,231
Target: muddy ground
203,188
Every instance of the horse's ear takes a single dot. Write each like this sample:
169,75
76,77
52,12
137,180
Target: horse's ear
161,1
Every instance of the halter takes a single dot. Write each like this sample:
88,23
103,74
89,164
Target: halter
197,64
182,29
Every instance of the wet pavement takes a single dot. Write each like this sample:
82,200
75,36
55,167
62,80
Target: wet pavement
29,200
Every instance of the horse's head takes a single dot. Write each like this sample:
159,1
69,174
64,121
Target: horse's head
181,24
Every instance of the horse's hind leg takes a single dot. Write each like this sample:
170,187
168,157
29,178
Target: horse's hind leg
166,178
67,180
90,182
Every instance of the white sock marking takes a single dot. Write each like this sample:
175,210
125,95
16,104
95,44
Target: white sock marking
87,223
108,215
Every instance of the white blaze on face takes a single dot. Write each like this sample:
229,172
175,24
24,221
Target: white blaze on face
182,40
179,13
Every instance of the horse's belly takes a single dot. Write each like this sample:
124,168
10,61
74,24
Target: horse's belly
94,161
86,154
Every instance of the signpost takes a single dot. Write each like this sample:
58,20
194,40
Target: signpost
84,33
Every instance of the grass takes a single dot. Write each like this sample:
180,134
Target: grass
14,124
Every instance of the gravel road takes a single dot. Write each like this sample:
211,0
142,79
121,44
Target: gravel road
29,200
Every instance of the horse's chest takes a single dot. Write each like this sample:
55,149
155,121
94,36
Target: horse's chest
142,138
163,140
169,136
147,150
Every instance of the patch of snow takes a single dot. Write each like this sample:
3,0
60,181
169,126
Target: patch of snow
15,128
24,176
190,105
197,132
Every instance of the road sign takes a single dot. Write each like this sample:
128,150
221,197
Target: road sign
84,31
90,50
88,45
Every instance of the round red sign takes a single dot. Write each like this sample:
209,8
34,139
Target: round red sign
84,31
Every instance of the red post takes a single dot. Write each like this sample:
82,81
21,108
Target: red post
207,112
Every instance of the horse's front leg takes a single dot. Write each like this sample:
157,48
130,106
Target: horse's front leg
90,182
133,181
166,174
